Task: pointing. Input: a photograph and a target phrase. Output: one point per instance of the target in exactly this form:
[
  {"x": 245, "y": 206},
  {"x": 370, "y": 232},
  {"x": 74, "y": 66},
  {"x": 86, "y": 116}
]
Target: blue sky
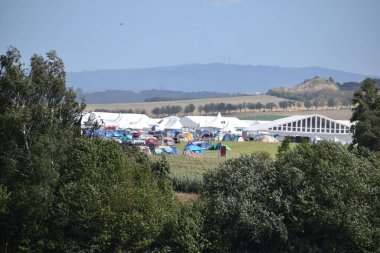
[{"x": 88, "y": 35}]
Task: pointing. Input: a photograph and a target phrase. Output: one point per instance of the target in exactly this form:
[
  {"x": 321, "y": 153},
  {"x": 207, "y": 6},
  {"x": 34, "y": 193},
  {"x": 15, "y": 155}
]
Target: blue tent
[
  {"x": 202, "y": 144},
  {"x": 195, "y": 149},
  {"x": 175, "y": 150},
  {"x": 100, "y": 133}
]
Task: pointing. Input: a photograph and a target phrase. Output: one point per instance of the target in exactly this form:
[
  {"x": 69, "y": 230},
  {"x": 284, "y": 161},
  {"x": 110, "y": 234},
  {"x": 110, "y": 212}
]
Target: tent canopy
[
  {"x": 194, "y": 148},
  {"x": 218, "y": 145}
]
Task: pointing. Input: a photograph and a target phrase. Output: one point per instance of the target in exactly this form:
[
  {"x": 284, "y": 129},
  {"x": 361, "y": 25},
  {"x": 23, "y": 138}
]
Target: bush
[
  {"x": 109, "y": 199},
  {"x": 314, "y": 198},
  {"x": 183, "y": 233},
  {"x": 186, "y": 183}
]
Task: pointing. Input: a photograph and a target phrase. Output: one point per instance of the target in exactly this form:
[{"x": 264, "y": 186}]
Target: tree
[
  {"x": 200, "y": 109},
  {"x": 316, "y": 104},
  {"x": 156, "y": 111},
  {"x": 61, "y": 192},
  {"x": 39, "y": 119},
  {"x": 284, "y": 147},
  {"x": 260, "y": 106},
  {"x": 299, "y": 104},
  {"x": 308, "y": 104},
  {"x": 322, "y": 104},
  {"x": 305, "y": 201},
  {"x": 270, "y": 106},
  {"x": 174, "y": 109},
  {"x": 366, "y": 114},
  {"x": 221, "y": 107},
  {"x": 283, "y": 104},
  {"x": 229, "y": 107},
  {"x": 291, "y": 103},
  {"x": 236, "y": 218},
  {"x": 106, "y": 195},
  {"x": 190, "y": 108},
  {"x": 251, "y": 106},
  {"x": 331, "y": 103},
  {"x": 245, "y": 106},
  {"x": 335, "y": 212},
  {"x": 206, "y": 108}
]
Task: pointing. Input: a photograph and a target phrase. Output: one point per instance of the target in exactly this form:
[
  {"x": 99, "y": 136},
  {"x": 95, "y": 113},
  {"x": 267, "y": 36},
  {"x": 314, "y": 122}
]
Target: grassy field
[{"x": 187, "y": 172}]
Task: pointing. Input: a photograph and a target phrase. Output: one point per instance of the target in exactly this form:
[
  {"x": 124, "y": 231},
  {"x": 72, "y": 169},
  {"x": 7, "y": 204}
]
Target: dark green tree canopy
[
  {"x": 314, "y": 198},
  {"x": 366, "y": 99},
  {"x": 38, "y": 119},
  {"x": 366, "y": 116}
]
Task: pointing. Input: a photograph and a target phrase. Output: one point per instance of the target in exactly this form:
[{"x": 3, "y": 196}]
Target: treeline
[
  {"x": 127, "y": 96},
  {"x": 211, "y": 108},
  {"x": 227, "y": 108},
  {"x": 159, "y": 99},
  {"x": 137, "y": 111}
]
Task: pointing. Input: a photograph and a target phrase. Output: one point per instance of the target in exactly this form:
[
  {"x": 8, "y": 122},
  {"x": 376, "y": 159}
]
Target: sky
[{"x": 118, "y": 34}]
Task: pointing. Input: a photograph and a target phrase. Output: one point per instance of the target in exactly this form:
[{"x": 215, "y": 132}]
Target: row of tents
[{"x": 114, "y": 121}]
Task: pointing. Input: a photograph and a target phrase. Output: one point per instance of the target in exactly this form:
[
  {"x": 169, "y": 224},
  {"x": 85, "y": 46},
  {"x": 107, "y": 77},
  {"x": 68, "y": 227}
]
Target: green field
[
  {"x": 189, "y": 170},
  {"x": 262, "y": 117}
]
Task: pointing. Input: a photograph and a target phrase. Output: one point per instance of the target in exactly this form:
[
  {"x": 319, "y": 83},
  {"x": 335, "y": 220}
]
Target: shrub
[
  {"x": 187, "y": 183},
  {"x": 315, "y": 198}
]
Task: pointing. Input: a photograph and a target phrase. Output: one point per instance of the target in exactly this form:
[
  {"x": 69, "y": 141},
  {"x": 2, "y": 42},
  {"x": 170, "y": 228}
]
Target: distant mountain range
[{"x": 216, "y": 77}]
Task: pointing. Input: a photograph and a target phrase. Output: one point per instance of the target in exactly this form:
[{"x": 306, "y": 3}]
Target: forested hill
[
  {"x": 127, "y": 96},
  {"x": 319, "y": 89},
  {"x": 226, "y": 78}
]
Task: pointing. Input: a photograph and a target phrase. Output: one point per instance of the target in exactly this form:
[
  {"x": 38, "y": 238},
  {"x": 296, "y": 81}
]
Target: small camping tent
[{"x": 217, "y": 147}]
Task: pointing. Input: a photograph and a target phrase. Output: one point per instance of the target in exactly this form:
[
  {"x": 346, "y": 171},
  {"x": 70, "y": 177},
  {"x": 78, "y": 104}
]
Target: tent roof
[
  {"x": 172, "y": 122},
  {"x": 270, "y": 124},
  {"x": 125, "y": 120}
]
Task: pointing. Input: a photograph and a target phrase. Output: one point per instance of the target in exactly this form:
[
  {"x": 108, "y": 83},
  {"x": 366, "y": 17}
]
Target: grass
[
  {"x": 148, "y": 106},
  {"x": 187, "y": 172},
  {"x": 262, "y": 117}
]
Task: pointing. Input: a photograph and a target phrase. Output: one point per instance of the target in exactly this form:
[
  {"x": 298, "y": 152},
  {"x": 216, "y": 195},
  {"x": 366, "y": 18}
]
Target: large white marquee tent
[
  {"x": 122, "y": 120},
  {"x": 313, "y": 126}
]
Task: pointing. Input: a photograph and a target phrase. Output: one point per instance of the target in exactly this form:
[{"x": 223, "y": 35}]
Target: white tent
[
  {"x": 196, "y": 122},
  {"x": 122, "y": 120},
  {"x": 229, "y": 124},
  {"x": 135, "y": 121},
  {"x": 307, "y": 126},
  {"x": 171, "y": 123}
]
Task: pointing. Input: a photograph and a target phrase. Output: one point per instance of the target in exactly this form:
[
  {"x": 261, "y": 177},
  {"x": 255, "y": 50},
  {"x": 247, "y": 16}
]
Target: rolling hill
[{"x": 319, "y": 89}]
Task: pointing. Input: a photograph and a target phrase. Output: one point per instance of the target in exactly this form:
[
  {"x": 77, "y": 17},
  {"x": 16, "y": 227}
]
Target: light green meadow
[{"x": 189, "y": 170}]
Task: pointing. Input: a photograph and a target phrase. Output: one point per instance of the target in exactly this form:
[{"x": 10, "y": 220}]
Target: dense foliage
[
  {"x": 38, "y": 119},
  {"x": 366, "y": 115},
  {"x": 314, "y": 198},
  {"x": 62, "y": 193}
]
